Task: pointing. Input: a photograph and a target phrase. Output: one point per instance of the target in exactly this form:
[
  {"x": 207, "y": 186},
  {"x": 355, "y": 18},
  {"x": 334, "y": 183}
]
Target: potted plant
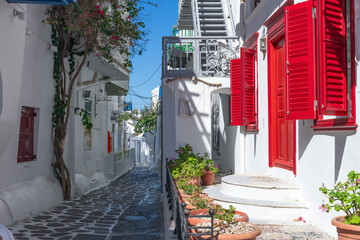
[
  {"x": 228, "y": 224},
  {"x": 345, "y": 197},
  {"x": 209, "y": 171}
]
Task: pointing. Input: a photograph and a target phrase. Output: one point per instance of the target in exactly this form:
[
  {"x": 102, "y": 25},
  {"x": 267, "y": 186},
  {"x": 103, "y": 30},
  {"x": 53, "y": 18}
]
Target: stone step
[
  {"x": 213, "y": 33},
  {"x": 204, "y": 9},
  {"x": 258, "y": 187},
  {"x": 213, "y": 26},
  {"x": 211, "y": 15},
  {"x": 265, "y": 199}
]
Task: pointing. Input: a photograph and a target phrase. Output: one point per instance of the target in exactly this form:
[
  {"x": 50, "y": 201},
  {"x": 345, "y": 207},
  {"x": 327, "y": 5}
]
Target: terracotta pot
[
  {"x": 193, "y": 221},
  {"x": 345, "y": 231},
  {"x": 195, "y": 181},
  {"x": 240, "y": 236},
  {"x": 208, "y": 178}
]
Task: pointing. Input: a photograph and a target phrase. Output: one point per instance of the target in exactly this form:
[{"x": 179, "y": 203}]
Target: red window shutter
[
  {"x": 248, "y": 86},
  {"x": 300, "y": 60},
  {"x": 333, "y": 57},
  {"x": 26, "y": 135},
  {"x": 235, "y": 92}
]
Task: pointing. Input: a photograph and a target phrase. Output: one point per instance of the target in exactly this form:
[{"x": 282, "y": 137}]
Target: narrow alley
[{"x": 128, "y": 208}]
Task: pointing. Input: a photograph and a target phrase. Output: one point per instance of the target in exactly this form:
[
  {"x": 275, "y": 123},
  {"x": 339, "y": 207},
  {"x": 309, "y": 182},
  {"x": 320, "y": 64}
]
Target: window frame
[
  {"x": 21, "y": 155},
  {"x": 322, "y": 123}
]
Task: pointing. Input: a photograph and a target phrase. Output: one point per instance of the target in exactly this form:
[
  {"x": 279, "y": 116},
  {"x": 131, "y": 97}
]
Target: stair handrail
[
  {"x": 231, "y": 17},
  {"x": 196, "y": 18}
]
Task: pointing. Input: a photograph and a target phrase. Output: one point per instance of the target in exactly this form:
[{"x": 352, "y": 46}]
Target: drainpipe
[{"x": 242, "y": 25}]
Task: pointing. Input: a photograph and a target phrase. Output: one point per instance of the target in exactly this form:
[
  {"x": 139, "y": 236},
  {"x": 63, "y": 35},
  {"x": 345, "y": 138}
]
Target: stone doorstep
[{"x": 215, "y": 193}]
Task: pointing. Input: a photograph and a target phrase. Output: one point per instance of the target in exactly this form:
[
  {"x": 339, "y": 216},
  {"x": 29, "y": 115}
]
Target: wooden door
[{"x": 281, "y": 131}]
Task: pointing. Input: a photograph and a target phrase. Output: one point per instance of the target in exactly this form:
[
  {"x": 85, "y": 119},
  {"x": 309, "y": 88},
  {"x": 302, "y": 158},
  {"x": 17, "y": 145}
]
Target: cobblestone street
[{"x": 129, "y": 208}]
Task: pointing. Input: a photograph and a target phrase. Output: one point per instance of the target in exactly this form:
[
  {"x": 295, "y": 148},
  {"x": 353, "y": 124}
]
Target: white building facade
[
  {"x": 260, "y": 118},
  {"x": 27, "y": 183}
]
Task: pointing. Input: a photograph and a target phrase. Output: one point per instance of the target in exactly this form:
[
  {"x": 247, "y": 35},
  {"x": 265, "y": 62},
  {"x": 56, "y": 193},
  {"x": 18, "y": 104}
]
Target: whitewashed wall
[
  {"x": 322, "y": 157},
  {"x": 195, "y": 130}
]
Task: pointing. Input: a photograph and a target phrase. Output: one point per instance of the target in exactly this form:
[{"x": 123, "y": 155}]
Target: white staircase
[
  {"x": 211, "y": 16},
  {"x": 265, "y": 199},
  {"x": 205, "y": 15}
]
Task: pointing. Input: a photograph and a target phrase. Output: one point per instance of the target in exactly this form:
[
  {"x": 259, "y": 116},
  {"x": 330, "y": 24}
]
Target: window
[
  {"x": 26, "y": 135},
  {"x": 320, "y": 67},
  {"x": 243, "y": 85},
  {"x": 185, "y": 109}
]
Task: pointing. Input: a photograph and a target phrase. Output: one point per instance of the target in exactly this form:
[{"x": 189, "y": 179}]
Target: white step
[
  {"x": 259, "y": 186},
  {"x": 265, "y": 199}
]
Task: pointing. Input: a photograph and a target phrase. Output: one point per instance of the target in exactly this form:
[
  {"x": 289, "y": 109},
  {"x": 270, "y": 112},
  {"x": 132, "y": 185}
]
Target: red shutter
[
  {"x": 248, "y": 86},
  {"x": 235, "y": 92},
  {"x": 300, "y": 60},
  {"x": 333, "y": 57},
  {"x": 26, "y": 135}
]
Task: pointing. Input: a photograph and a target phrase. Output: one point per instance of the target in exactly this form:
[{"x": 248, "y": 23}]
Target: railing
[
  {"x": 229, "y": 6},
  {"x": 180, "y": 215},
  {"x": 196, "y": 18},
  {"x": 198, "y": 56}
]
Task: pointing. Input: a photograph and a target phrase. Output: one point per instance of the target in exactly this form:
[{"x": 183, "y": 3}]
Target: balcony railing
[{"x": 198, "y": 56}]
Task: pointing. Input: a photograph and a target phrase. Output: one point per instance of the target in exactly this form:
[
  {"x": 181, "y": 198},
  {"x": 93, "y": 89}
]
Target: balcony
[{"x": 198, "y": 56}]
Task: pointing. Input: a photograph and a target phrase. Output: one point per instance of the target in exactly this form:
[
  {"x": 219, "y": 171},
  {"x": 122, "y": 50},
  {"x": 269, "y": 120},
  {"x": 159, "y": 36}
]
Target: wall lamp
[
  {"x": 263, "y": 41},
  {"x": 19, "y": 14}
]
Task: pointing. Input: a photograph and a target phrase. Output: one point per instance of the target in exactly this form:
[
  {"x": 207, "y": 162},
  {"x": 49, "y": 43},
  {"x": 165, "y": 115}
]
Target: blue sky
[{"x": 159, "y": 21}]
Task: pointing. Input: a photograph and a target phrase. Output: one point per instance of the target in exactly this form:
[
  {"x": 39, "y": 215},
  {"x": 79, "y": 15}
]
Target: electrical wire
[{"x": 148, "y": 78}]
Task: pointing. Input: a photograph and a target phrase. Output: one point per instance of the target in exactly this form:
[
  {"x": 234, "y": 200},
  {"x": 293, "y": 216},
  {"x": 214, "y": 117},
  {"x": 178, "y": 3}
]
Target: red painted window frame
[
  {"x": 349, "y": 123},
  {"x": 26, "y": 133},
  {"x": 252, "y": 43}
]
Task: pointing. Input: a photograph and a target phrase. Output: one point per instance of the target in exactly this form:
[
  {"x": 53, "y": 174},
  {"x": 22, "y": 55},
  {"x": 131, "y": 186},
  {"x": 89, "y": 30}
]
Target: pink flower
[
  {"x": 172, "y": 158},
  {"x": 180, "y": 151},
  {"x": 215, "y": 166},
  {"x": 323, "y": 208},
  {"x": 129, "y": 17}
]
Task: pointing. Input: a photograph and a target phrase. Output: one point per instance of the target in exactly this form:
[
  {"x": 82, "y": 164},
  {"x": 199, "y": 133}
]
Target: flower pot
[
  {"x": 208, "y": 178},
  {"x": 195, "y": 181},
  {"x": 345, "y": 231},
  {"x": 238, "y": 236},
  {"x": 193, "y": 221}
]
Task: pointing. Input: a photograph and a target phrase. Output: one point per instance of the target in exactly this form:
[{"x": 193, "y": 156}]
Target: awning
[
  {"x": 117, "y": 88},
  {"x": 47, "y": 2}
]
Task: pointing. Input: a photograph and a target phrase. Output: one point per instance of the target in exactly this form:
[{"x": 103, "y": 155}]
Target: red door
[{"x": 281, "y": 131}]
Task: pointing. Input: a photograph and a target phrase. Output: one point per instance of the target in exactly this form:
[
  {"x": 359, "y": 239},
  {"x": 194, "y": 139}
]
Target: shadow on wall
[
  {"x": 305, "y": 135},
  {"x": 196, "y": 128},
  {"x": 228, "y": 137},
  {"x": 168, "y": 121}
]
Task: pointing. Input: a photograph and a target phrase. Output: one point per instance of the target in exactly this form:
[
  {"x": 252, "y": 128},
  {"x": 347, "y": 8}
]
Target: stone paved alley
[{"x": 129, "y": 208}]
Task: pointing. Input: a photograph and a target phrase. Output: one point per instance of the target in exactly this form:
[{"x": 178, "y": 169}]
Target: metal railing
[
  {"x": 180, "y": 215},
  {"x": 229, "y": 6},
  {"x": 198, "y": 56},
  {"x": 196, "y": 17}
]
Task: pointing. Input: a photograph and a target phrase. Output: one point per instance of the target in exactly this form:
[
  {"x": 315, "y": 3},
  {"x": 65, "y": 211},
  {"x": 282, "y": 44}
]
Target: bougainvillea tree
[{"x": 105, "y": 28}]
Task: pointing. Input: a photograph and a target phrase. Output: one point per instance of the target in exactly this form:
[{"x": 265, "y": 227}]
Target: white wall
[
  {"x": 36, "y": 90},
  {"x": 194, "y": 130},
  {"x": 322, "y": 157},
  {"x": 12, "y": 42}
]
